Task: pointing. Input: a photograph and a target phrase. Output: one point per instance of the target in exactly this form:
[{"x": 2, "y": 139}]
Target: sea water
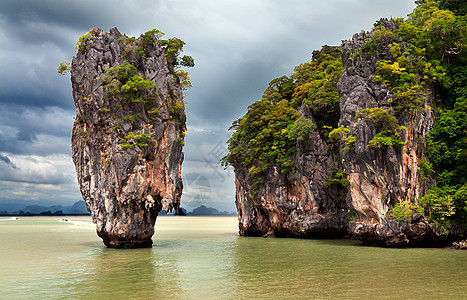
[{"x": 204, "y": 258}]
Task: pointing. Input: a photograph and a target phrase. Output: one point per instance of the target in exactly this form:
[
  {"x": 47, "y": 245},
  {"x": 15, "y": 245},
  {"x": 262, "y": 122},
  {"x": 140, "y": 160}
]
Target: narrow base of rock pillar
[{"x": 128, "y": 244}]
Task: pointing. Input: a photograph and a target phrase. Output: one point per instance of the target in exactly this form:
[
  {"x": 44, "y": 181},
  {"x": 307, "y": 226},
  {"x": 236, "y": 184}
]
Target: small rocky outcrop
[
  {"x": 462, "y": 245},
  {"x": 128, "y": 133}
]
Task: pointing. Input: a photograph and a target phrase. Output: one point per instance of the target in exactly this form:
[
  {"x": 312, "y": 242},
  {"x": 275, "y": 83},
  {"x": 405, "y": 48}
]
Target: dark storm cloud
[
  {"x": 230, "y": 89},
  {"x": 238, "y": 46},
  {"x": 35, "y": 130},
  {"x": 74, "y": 14},
  {"x": 7, "y": 161}
]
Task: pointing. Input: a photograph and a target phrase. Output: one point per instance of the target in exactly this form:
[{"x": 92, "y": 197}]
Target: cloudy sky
[{"x": 238, "y": 46}]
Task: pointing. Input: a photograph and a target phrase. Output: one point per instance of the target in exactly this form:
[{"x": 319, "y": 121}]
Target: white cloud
[{"x": 50, "y": 169}]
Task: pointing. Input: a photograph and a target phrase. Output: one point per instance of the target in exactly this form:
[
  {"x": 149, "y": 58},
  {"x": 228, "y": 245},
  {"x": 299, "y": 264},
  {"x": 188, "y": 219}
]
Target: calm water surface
[{"x": 203, "y": 258}]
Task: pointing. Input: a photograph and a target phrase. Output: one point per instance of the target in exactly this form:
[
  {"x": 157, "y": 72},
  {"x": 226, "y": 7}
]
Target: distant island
[
  {"x": 79, "y": 209},
  {"x": 200, "y": 211}
]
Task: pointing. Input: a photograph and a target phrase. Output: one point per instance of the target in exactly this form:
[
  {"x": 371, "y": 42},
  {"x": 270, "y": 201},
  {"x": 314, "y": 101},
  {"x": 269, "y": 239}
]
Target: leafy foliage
[
  {"x": 386, "y": 125},
  {"x": 184, "y": 78},
  {"x": 447, "y": 145},
  {"x": 439, "y": 207},
  {"x": 404, "y": 211},
  {"x": 434, "y": 50},
  {"x": 130, "y": 140},
  {"x": 338, "y": 178},
  {"x": 187, "y": 61},
  {"x": 301, "y": 129},
  {"x": 151, "y": 37},
  {"x": 267, "y": 135},
  {"x": 63, "y": 68},
  {"x": 425, "y": 169},
  {"x": 172, "y": 49},
  {"x": 81, "y": 44},
  {"x": 340, "y": 137},
  {"x": 176, "y": 110},
  {"x": 125, "y": 81}
]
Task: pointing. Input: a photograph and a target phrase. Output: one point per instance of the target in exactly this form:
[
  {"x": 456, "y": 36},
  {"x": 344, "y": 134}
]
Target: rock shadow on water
[{"x": 131, "y": 273}]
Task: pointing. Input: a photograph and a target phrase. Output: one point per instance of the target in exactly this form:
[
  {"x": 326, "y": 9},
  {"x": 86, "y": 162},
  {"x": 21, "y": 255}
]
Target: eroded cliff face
[
  {"x": 127, "y": 137},
  {"x": 381, "y": 177},
  {"x": 301, "y": 204}
]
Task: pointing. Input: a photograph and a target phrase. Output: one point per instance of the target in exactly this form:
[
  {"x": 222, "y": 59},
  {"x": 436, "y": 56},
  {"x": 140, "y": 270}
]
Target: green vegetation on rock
[
  {"x": 82, "y": 43},
  {"x": 123, "y": 80},
  {"x": 404, "y": 211},
  {"x": 386, "y": 125},
  {"x": 440, "y": 36},
  {"x": 429, "y": 59},
  {"x": 63, "y": 68},
  {"x": 267, "y": 135},
  {"x": 421, "y": 59}
]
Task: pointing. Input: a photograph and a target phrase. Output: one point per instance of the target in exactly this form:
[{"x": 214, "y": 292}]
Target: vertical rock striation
[
  {"x": 128, "y": 134},
  {"x": 381, "y": 145},
  {"x": 381, "y": 177},
  {"x": 300, "y": 204}
]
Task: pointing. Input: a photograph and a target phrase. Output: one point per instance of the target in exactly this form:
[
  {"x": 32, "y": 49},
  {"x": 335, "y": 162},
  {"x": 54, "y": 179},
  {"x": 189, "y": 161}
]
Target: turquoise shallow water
[{"x": 203, "y": 258}]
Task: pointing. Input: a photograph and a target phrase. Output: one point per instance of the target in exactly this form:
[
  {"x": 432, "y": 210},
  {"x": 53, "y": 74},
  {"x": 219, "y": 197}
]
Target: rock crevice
[
  {"x": 304, "y": 204},
  {"x": 127, "y": 136}
]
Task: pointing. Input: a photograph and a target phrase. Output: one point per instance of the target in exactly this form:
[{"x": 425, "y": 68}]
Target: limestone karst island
[
  {"x": 129, "y": 131},
  {"x": 367, "y": 140}
]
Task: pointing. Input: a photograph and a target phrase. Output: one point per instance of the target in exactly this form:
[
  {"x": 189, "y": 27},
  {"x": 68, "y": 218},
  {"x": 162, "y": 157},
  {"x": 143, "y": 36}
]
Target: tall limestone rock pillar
[{"x": 128, "y": 133}]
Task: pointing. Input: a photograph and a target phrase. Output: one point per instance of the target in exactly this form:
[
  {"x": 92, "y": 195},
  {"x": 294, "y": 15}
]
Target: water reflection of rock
[
  {"x": 208, "y": 271},
  {"x": 136, "y": 274},
  {"x": 292, "y": 268}
]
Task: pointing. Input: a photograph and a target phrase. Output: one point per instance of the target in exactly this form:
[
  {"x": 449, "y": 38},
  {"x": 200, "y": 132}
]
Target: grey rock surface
[
  {"x": 380, "y": 178},
  {"x": 127, "y": 146},
  {"x": 302, "y": 204}
]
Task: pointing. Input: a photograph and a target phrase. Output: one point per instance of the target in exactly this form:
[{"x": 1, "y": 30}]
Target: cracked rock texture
[
  {"x": 127, "y": 147},
  {"x": 380, "y": 178},
  {"x": 302, "y": 205}
]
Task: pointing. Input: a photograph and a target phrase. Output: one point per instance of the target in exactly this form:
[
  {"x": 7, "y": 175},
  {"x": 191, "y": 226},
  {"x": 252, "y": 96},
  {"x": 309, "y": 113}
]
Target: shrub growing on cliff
[
  {"x": 130, "y": 140},
  {"x": 404, "y": 211},
  {"x": 125, "y": 81},
  {"x": 172, "y": 48},
  {"x": 388, "y": 130},
  {"x": 425, "y": 169},
  {"x": 81, "y": 44},
  {"x": 439, "y": 208},
  {"x": 63, "y": 68},
  {"x": 151, "y": 37},
  {"x": 300, "y": 130},
  {"x": 340, "y": 137}
]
